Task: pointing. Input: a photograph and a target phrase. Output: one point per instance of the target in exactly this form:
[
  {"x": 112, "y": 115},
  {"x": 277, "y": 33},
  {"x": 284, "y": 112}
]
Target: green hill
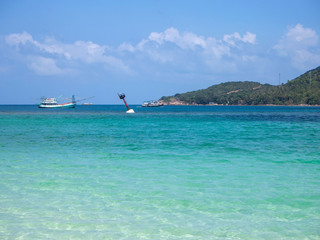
[{"x": 304, "y": 89}]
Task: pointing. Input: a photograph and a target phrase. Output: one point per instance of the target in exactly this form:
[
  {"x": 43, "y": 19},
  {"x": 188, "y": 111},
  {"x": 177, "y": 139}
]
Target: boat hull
[
  {"x": 64, "y": 105},
  {"x": 152, "y": 105}
]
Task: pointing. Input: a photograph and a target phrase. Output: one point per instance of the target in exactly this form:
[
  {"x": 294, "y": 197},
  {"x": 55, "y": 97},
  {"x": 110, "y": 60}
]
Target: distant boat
[
  {"x": 87, "y": 104},
  {"x": 52, "y": 103},
  {"x": 151, "y": 104}
]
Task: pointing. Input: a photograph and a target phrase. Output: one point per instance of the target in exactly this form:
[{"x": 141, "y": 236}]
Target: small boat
[
  {"x": 52, "y": 103},
  {"x": 151, "y": 104}
]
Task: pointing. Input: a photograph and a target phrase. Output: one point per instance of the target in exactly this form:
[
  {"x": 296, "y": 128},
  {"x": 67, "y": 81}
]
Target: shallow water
[{"x": 187, "y": 172}]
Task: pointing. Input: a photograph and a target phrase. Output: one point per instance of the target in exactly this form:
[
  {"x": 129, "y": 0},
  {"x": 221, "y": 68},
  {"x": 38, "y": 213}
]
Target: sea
[{"x": 173, "y": 172}]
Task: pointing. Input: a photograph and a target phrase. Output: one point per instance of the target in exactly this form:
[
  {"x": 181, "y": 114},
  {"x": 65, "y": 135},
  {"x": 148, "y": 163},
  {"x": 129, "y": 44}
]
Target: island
[{"x": 303, "y": 90}]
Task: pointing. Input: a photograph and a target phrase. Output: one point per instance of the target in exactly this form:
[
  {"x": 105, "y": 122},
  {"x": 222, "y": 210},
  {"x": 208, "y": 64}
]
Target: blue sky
[{"x": 149, "y": 49}]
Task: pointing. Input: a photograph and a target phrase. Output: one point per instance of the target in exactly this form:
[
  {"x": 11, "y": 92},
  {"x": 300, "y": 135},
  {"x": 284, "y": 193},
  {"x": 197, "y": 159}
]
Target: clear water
[{"x": 194, "y": 172}]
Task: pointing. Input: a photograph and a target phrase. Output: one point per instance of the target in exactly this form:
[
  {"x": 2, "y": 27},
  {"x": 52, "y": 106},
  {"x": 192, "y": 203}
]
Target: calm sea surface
[{"x": 189, "y": 172}]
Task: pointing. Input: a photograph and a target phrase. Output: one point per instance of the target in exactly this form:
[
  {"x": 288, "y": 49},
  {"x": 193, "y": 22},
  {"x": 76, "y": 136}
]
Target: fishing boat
[
  {"x": 151, "y": 104},
  {"x": 52, "y": 103}
]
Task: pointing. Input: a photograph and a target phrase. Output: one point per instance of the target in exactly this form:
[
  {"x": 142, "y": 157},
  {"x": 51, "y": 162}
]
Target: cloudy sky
[{"x": 152, "y": 48}]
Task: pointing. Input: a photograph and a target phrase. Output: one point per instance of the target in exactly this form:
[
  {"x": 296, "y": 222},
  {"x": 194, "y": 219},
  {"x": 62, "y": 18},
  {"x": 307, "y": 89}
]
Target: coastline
[{"x": 243, "y": 105}]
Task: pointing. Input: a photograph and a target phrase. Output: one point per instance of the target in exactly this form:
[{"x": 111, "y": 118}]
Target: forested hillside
[{"x": 304, "y": 89}]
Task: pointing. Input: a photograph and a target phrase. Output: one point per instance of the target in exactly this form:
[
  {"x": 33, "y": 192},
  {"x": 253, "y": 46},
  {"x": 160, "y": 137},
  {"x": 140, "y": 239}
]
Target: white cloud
[
  {"x": 169, "y": 49},
  {"x": 44, "y": 66},
  {"x": 157, "y": 44},
  {"x": 301, "y": 35},
  {"x": 126, "y": 47},
  {"x": 17, "y": 39},
  {"x": 169, "y": 35},
  {"x": 24, "y": 38},
  {"x": 165, "y": 54},
  {"x": 157, "y": 37},
  {"x": 300, "y": 45},
  {"x": 217, "y": 48},
  {"x": 249, "y": 38},
  {"x": 116, "y": 64},
  {"x": 191, "y": 40},
  {"x": 87, "y": 52},
  {"x": 184, "y": 41},
  {"x": 234, "y": 38}
]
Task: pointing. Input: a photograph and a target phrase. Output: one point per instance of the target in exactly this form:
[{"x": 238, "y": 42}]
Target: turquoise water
[{"x": 194, "y": 172}]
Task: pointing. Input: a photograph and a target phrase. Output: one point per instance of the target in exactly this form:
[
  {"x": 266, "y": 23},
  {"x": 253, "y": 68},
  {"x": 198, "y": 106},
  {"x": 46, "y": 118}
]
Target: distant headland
[{"x": 303, "y": 90}]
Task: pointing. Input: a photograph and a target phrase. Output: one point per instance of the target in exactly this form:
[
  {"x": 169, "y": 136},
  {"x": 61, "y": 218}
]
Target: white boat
[
  {"x": 52, "y": 103},
  {"x": 151, "y": 104},
  {"x": 87, "y": 104}
]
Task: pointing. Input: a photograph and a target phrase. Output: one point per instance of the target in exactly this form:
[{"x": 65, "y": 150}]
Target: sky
[{"x": 150, "y": 48}]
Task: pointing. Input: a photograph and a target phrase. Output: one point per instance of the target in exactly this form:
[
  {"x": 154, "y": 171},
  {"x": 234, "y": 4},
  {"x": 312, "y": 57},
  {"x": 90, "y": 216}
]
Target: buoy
[{"x": 122, "y": 96}]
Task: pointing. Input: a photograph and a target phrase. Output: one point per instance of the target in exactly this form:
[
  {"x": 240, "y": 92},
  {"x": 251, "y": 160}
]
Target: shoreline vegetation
[
  {"x": 243, "y": 105},
  {"x": 301, "y": 91}
]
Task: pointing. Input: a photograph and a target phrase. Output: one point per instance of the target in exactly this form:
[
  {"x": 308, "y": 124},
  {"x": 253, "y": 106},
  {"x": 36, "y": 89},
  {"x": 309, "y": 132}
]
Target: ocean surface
[{"x": 176, "y": 172}]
